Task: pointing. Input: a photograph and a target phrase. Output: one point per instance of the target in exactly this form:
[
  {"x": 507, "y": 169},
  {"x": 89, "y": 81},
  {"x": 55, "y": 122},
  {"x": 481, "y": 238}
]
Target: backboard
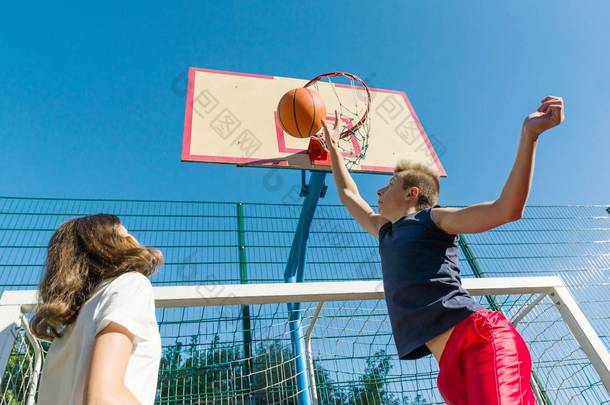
[{"x": 231, "y": 118}]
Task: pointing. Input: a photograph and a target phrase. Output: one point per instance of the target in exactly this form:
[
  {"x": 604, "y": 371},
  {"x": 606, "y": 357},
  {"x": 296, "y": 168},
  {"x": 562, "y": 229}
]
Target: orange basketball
[{"x": 300, "y": 111}]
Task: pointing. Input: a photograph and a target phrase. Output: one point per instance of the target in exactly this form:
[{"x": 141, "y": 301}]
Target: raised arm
[
  {"x": 346, "y": 187},
  {"x": 511, "y": 203}
]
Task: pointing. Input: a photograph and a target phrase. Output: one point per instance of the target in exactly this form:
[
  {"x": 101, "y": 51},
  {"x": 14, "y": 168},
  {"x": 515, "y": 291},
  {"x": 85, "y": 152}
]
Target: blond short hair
[{"x": 422, "y": 176}]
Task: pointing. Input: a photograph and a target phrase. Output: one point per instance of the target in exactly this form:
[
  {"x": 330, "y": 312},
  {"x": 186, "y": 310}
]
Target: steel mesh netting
[
  {"x": 353, "y": 357},
  {"x": 20, "y": 377},
  {"x": 562, "y": 369},
  {"x": 570, "y": 241},
  {"x": 200, "y": 241},
  {"x": 352, "y": 352}
]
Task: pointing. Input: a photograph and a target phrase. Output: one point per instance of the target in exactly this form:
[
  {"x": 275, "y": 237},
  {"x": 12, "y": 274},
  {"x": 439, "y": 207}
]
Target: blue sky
[{"x": 92, "y": 97}]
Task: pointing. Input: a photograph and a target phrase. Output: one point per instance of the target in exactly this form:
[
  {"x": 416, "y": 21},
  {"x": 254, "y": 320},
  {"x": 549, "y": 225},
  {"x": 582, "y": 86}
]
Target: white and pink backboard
[{"x": 231, "y": 118}]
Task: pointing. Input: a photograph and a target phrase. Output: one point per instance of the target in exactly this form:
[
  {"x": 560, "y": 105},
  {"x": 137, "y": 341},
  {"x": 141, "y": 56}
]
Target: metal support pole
[
  {"x": 584, "y": 333},
  {"x": 37, "y": 366},
  {"x": 245, "y": 309},
  {"x": 9, "y": 324},
  {"x": 294, "y": 274},
  {"x": 312, "y": 369}
]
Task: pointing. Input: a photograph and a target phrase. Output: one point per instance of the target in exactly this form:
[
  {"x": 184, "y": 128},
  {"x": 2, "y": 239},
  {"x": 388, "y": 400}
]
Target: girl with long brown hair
[{"x": 96, "y": 306}]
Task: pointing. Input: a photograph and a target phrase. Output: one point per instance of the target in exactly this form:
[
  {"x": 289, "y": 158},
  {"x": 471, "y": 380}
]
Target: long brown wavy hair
[{"x": 81, "y": 254}]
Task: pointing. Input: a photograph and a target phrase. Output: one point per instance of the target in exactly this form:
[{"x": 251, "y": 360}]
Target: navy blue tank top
[{"x": 421, "y": 279}]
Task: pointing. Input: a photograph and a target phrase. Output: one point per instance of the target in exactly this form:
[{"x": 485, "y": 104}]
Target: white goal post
[{"x": 16, "y": 305}]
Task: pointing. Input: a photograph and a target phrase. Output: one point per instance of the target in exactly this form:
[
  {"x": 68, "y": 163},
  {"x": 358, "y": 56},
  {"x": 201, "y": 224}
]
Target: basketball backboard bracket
[{"x": 305, "y": 187}]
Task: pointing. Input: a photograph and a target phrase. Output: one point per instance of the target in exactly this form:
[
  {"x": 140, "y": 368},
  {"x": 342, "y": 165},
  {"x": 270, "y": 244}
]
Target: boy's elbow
[
  {"x": 506, "y": 213},
  {"x": 346, "y": 195},
  {"x": 514, "y": 215}
]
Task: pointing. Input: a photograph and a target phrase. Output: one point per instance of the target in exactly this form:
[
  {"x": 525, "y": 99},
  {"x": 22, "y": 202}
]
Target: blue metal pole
[{"x": 293, "y": 274}]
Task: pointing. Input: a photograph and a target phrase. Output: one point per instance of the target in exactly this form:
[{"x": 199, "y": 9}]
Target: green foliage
[
  {"x": 371, "y": 387},
  {"x": 189, "y": 375}
]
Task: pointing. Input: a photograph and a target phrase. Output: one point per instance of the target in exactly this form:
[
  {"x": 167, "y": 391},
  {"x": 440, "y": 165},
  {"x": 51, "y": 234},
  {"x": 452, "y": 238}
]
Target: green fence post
[{"x": 243, "y": 279}]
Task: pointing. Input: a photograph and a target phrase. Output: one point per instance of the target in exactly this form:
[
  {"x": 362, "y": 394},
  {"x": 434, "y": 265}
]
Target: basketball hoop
[{"x": 354, "y": 102}]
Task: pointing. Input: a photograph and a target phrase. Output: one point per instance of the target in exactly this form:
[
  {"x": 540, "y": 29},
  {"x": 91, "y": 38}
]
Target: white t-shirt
[{"x": 127, "y": 300}]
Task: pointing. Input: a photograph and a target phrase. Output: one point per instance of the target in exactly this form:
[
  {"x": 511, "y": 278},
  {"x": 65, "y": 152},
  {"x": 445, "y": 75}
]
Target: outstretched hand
[
  {"x": 330, "y": 136},
  {"x": 548, "y": 115}
]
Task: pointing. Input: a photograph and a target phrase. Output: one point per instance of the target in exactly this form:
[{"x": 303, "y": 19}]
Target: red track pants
[{"x": 485, "y": 362}]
